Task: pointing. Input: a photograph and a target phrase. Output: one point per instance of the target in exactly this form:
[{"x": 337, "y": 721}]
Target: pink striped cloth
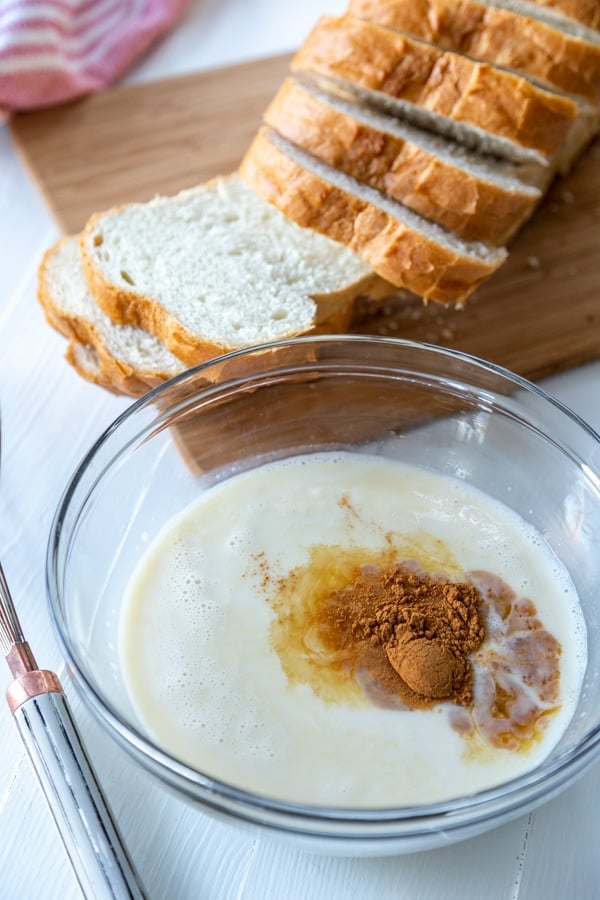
[{"x": 55, "y": 50}]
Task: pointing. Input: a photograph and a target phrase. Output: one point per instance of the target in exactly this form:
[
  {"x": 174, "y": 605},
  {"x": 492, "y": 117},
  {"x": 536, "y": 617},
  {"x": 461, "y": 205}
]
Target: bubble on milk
[{"x": 241, "y": 729}]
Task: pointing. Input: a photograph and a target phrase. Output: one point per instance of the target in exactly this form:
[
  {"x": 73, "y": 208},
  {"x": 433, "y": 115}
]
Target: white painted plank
[
  {"x": 563, "y": 849},
  {"x": 485, "y": 866},
  {"x": 33, "y": 863}
]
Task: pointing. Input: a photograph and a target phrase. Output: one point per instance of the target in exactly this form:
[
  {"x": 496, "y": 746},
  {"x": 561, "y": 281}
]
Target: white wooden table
[{"x": 49, "y": 419}]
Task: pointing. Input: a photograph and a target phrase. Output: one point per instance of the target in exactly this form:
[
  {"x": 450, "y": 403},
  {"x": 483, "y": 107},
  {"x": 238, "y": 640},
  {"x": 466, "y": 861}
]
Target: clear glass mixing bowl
[{"x": 432, "y": 407}]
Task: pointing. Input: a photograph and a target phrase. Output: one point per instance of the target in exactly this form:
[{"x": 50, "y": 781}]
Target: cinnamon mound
[{"x": 411, "y": 633}]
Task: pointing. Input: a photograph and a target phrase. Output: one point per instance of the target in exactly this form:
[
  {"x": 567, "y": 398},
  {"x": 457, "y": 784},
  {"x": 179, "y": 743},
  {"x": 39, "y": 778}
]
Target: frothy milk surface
[{"x": 209, "y": 688}]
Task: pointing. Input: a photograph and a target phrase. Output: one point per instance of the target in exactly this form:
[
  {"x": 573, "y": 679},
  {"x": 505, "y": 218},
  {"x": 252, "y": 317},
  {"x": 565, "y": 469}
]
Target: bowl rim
[{"x": 513, "y": 795}]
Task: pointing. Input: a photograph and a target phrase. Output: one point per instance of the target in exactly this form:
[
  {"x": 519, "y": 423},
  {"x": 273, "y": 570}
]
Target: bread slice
[
  {"x": 477, "y": 197},
  {"x": 477, "y": 104},
  {"x": 577, "y": 16},
  {"x": 216, "y": 268},
  {"x": 130, "y": 359},
  {"x": 547, "y": 55},
  {"x": 400, "y": 245},
  {"x": 86, "y": 362}
]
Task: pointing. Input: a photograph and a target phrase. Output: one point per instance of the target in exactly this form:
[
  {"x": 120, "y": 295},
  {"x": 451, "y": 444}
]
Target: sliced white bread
[
  {"x": 477, "y": 197},
  {"x": 581, "y": 17},
  {"x": 130, "y": 358},
  {"x": 549, "y": 56},
  {"x": 401, "y": 246},
  {"x": 86, "y": 362},
  {"x": 478, "y": 104},
  {"x": 216, "y": 268}
]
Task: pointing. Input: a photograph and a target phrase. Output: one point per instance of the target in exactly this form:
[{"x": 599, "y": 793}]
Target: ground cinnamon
[
  {"x": 357, "y": 627},
  {"x": 410, "y": 633}
]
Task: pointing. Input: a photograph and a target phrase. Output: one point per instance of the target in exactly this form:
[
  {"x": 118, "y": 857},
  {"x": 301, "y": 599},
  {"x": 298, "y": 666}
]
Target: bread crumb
[
  {"x": 533, "y": 262},
  {"x": 567, "y": 197}
]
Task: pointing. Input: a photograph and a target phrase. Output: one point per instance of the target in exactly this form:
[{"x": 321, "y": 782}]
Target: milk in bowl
[{"x": 339, "y": 629}]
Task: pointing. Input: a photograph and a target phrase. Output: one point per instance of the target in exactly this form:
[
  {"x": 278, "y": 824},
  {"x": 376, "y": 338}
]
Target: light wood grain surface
[
  {"x": 539, "y": 314},
  {"x": 131, "y": 143}
]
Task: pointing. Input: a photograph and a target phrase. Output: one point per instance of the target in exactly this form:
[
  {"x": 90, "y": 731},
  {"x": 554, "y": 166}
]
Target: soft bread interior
[
  {"x": 66, "y": 292},
  {"x": 226, "y": 264}
]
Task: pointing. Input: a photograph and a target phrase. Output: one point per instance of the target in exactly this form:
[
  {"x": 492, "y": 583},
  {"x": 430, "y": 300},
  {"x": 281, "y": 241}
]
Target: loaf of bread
[
  {"x": 531, "y": 47},
  {"x": 413, "y": 142},
  {"x": 479, "y": 198}
]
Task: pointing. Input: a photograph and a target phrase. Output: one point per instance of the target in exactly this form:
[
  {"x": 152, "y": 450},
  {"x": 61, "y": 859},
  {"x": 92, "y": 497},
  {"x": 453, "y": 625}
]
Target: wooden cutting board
[{"x": 539, "y": 314}]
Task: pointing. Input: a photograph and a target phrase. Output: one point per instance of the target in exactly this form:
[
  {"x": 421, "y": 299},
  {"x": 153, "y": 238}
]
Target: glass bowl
[{"x": 435, "y": 408}]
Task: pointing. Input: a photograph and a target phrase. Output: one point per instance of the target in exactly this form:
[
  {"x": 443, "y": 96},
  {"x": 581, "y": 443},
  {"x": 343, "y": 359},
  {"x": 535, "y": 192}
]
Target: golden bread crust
[
  {"x": 124, "y": 377},
  {"x": 441, "y": 82},
  {"x": 401, "y": 255},
  {"x": 475, "y": 208},
  {"x": 586, "y": 12},
  {"x": 499, "y": 36},
  {"x": 131, "y": 385}
]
